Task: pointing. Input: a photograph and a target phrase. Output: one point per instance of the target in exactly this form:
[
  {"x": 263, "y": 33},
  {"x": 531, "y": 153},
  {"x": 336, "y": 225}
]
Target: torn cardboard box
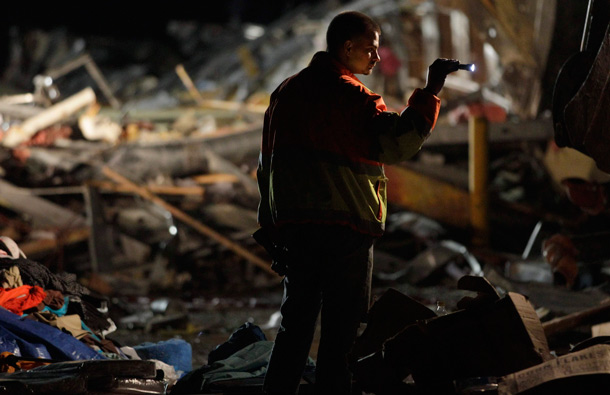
[
  {"x": 585, "y": 371},
  {"x": 489, "y": 338}
]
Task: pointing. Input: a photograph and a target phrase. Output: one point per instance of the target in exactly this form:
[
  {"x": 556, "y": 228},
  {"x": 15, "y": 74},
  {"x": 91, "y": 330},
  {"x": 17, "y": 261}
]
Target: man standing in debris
[{"x": 323, "y": 195}]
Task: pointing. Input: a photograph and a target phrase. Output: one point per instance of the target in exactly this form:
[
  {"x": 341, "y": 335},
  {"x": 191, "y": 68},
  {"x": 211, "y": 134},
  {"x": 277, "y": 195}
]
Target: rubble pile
[{"x": 128, "y": 202}]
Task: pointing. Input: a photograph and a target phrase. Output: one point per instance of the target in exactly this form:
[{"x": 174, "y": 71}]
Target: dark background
[{"x": 126, "y": 20}]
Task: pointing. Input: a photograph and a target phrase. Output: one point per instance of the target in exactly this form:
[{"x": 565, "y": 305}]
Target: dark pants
[{"x": 329, "y": 270}]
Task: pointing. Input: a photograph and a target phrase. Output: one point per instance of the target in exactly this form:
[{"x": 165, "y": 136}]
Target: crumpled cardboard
[
  {"x": 493, "y": 336},
  {"x": 577, "y": 372}
]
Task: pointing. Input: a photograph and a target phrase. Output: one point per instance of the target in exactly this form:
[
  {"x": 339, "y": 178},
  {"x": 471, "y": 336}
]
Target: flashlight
[{"x": 466, "y": 66}]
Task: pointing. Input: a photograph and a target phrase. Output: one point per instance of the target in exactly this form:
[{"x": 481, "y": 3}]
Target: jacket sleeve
[{"x": 400, "y": 136}]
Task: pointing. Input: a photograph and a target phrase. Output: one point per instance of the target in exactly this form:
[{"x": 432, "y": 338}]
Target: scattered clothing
[
  {"x": 10, "y": 363},
  {"x": 10, "y": 249},
  {"x": 71, "y": 324},
  {"x": 33, "y": 273},
  {"x": 29, "y": 338},
  {"x": 245, "y": 335},
  {"x": 55, "y": 301},
  {"x": 17, "y": 300},
  {"x": 11, "y": 277},
  {"x": 249, "y": 362},
  {"x": 86, "y": 307},
  {"x": 175, "y": 352}
]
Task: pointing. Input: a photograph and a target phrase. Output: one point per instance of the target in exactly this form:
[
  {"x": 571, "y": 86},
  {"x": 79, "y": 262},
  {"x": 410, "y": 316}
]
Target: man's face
[{"x": 361, "y": 53}]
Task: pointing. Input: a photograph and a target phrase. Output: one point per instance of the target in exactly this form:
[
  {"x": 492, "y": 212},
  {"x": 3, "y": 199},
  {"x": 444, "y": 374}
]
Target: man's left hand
[{"x": 437, "y": 72}]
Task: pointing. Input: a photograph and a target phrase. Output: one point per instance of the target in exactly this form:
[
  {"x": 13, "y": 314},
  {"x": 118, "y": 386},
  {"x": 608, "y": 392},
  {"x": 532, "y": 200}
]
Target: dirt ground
[{"x": 206, "y": 329}]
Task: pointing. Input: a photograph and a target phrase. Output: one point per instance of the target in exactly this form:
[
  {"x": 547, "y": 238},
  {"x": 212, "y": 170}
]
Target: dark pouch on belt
[{"x": 278, "y": 253}]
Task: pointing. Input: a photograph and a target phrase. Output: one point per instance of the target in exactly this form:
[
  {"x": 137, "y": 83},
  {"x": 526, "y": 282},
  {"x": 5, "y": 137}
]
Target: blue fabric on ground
[
  {"x": 175, "y": 352},
  {"x": 20, "y": 347},
  {"x": 39, "y": 340}
]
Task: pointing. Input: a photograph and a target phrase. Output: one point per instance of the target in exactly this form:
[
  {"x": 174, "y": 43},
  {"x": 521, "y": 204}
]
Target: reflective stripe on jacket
[{"x": 325, "y": 140}]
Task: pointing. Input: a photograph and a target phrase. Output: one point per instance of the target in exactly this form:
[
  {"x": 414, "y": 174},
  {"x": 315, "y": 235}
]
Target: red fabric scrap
[{"x": 19, "y": 299}]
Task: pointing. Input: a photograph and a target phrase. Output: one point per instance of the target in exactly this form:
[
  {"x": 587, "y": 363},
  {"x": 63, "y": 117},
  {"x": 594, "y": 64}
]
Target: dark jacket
[{"x": 325, "y": 139}]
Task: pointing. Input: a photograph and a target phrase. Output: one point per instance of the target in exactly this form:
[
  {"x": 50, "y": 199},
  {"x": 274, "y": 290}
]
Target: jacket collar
[{"x": 325, "y": 60}]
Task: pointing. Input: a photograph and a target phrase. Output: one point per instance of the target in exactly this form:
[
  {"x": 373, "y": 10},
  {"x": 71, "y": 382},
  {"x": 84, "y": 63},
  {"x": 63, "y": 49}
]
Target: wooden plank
[
  {"x": 499, "y": 132},
  {"x": 94, "y": 72},
  {"x": 43, "y": 212},
  {"x": 187, "y": 219},
  {"x": 18, "y": 99},
  {"x": 159, "y": 189},
  {"x": 52, "y": 115},
  {"x": 215, "y": 178},
  {"x": 234, "y": 106},
  {"x": 570, "y": 321},
  {"x": 19, "y": 111},
  {"x": 45, "y": 246},
  {"x": 100, "y": 240},
  {"x": 188, "y": 83}
]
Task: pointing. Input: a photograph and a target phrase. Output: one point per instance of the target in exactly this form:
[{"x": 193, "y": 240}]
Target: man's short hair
[{"x": 347, "y": 26}]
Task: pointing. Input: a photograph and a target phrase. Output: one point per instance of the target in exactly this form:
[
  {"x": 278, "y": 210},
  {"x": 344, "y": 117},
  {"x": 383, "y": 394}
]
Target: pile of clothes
[
  {"x": 30, "y": 292},
  {"x": 53, "y": 336}
]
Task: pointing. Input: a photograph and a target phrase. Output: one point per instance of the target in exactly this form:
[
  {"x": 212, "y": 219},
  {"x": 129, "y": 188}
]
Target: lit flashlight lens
[{"x": 468, "y": 67}]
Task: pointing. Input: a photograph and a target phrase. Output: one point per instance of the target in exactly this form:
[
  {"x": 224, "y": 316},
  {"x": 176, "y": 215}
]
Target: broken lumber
[
  {"x": 499, "y": 133},
  {"x": 43, "y": 212},
  {"x": 19, "y": 111},
  {"x": 567, "y": 322},
  {"x": 215, "y": 178},
  {"x": 186, "y": 156},
  {"x": 18, "y": 99},
  {"x": 44, "y": 246},
  {"x": 52, "y": 115},
  {"x": 219, "y": 164},
  {"x": 187, "y": 219},
  {"x": 234, "y": 106},
  {"x": 188, "y": 83},
  {"x": 94, "y": 72},
  {"x": 159, "y": 189}
]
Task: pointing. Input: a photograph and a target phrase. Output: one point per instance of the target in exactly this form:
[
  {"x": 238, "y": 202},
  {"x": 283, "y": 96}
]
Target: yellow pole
[{"x": 477, "y": 179}]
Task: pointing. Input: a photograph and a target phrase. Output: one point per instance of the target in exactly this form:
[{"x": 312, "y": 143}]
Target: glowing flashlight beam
[{"x": 467, "y": 66}]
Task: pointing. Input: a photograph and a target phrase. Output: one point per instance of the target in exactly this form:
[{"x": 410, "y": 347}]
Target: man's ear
[{"x": 347, "y": 47}]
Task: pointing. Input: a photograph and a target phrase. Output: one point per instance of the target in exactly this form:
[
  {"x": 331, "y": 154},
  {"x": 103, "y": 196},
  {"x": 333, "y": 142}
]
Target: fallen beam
[
  {"x": 206, "y": 179},
  {"x": 158, "y": 189},
  {"x": 570, "y": 321},
  {"x": 499, "y": 132},
  {"x": 182, "y": 157},
  {"x": 187, "y": 219},
  {"x": 19, "y": 111},
  {"x": 45, "y": 246},
  {"x": 188, "y": 83},
  {"x": 44, "y": 213},
  {"x": 52, "y": 115},
  {"x": 94, "y": 72}
]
